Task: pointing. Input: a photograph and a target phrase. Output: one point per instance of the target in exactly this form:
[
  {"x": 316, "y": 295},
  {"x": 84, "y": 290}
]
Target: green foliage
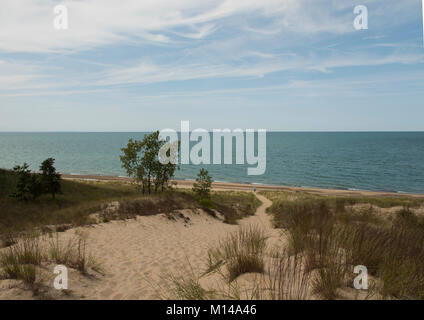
[
  {"x": 50, "y": 179},
  {"x": 2, "y": 179},
  {"x": 31, "y": 186},
  {"x": 141, "y": 161},
  {"x": 28, "y": 185},
  {"x": 73, "y": 206},
  {"x": 202, "y": 187},
  {"x": 207, "y": 203}
]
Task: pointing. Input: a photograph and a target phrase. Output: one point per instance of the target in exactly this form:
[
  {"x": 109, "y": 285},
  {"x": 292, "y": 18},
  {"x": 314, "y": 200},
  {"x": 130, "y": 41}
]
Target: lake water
[{"x": 383, "y": 161}]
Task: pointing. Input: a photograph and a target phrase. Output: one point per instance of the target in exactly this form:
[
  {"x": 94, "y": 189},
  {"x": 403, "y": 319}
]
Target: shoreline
[{"x": 231, "y": 186}]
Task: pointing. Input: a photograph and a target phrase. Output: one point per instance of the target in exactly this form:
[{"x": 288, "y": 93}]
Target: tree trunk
[{"x": 148, "y": 183}]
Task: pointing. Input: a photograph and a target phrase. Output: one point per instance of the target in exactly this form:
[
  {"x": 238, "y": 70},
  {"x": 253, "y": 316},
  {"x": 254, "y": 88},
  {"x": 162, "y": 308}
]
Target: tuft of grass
[
  {"x": 73, "y": 253},
  {"x": 288, "y": 278},
  {"x": 328, "y": 280},
  {"x": 189, "y": 288},
  {"x": 235, "y": 205},
  {"x": 20, "y": 260},
  {"x": 242, "y": 252},
  {"x": 61, "y": 253}
]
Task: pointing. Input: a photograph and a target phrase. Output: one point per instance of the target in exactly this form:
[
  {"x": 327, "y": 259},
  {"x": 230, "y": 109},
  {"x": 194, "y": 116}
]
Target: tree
[
  {"x": 28, "y": 185},
  {"x": 2, "y": 179},
  {"x": 50, "y": 179},
  {"x": 141, "y": 161},
  {"x": 202, "y": 187}
]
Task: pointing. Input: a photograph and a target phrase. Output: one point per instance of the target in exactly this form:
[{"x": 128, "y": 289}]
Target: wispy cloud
[{"x": 167, "y": 49}]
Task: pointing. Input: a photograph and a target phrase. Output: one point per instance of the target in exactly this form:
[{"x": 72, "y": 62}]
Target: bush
[
  {"x": 50, "y": 179},
  {"x": 202, "y": 187},
  {"x": 28, "y": 185}
]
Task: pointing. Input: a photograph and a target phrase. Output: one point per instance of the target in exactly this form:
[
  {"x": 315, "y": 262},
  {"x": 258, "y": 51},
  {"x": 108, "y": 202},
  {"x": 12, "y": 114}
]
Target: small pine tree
[
  {"x": 50, "y": 179},
  {"x": 2, "y": 179},
  {"x": 28, "y": 185},
  {"x": 202, "y": 187}
]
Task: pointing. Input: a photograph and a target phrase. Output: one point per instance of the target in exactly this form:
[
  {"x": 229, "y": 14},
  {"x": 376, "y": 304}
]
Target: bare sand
[{"x": 139, "y": 256}]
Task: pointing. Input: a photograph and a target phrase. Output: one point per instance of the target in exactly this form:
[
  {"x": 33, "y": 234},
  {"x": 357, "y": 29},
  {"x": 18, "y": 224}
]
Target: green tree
[
  {"x": 202, "y": 187},
  {"x": 2, "y": 179},
  {"x": 50, "y": 179},
  {"x": 141, "y": 161},
  {"x": 28, "y": 185}
]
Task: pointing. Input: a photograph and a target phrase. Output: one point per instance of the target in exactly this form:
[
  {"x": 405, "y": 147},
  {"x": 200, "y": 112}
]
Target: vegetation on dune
[
  {"x": 278, "y": 197},
  {"x": 50, "y": 180},
  {"x": 334, "y": 237},
  {"x": 242, "y": 252},
  {"x": 28, "y": 185},
  {"x": 31, "y": 186},
  {"x": 232, "y": 205},
  {"x": 26, "y": 260},
  {"x": 72, "y": 206},
  {"x": 145, "y": 161},
  {"x": 79, "y": 199},
  {"x": 203, "y": 184},
  {"x": 323, "y": 240}
]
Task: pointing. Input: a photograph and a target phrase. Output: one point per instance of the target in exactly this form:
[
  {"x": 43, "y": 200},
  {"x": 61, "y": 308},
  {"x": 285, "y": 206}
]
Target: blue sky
[{"x": 289, "y": 65}]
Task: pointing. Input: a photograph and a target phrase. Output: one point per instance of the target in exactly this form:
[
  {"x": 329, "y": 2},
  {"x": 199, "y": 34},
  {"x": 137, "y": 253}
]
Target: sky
[{"x": 280, "y": 65}]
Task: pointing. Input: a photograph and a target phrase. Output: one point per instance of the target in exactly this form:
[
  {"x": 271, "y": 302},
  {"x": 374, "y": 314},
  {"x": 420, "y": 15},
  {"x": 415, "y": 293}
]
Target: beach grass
[
  {"x": 334, "y": 236},
  {"x": 72, "y": 206},
  {"x": 242, "y": 252},
  {"x": 80, "y": 198}
]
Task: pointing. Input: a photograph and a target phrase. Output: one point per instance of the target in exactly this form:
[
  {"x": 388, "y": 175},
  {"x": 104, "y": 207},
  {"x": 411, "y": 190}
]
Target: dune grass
[
  {"x": 20, "y": 260},
  {"x": 79, "y": 199},
  {"x": 279, "y": 197},
  {"x": 73, "y": 206},
  {"x": 232, "y": 205},
  {"x": 242, "y": 252},
  {"x": 235, "y": 205},
  {"x": 73, "y": 253},
  {"x": 335, "y": 238},
  {"x": 26, "y": 260}
]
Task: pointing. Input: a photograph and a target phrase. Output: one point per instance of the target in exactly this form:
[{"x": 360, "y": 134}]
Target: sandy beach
[{"x": 259, "y": 187}]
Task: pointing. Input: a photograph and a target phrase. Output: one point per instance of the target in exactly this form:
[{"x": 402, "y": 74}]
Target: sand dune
[{"x": 139, "y": 255}]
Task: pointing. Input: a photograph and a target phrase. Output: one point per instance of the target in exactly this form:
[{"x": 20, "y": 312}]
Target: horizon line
[{"x": 210, "y": 130}]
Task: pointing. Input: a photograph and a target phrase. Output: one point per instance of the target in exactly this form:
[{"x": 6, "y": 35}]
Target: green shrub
[
  {"x": 50, "y": 179},
  {"x": 28, "y": 185},
  {"x": 202, "y": 186}
]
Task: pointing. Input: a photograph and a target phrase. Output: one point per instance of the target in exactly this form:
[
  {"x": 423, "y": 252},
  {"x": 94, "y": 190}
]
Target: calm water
[{"x": 366, "y": 161}]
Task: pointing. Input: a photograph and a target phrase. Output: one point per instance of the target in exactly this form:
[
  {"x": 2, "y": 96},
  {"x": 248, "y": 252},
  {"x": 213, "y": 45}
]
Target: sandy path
[{"x": 139, "y": 255}]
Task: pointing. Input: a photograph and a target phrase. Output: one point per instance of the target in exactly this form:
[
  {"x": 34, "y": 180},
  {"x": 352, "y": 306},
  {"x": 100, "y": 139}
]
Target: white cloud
[
  {"x": 27, "y": 25},
  {"x": 200, "y": 39},
  {"x": 154, "y": 73}
]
